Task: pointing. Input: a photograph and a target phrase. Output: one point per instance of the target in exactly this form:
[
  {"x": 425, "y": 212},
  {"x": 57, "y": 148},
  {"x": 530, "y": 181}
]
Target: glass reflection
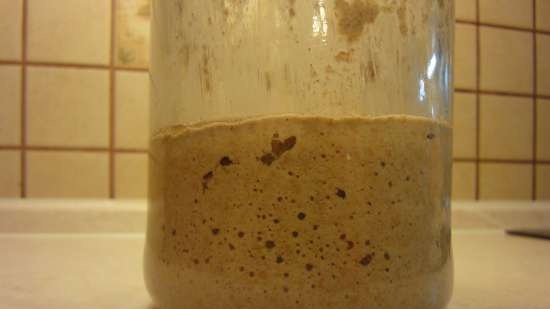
[{"x": 320, "y": 21}]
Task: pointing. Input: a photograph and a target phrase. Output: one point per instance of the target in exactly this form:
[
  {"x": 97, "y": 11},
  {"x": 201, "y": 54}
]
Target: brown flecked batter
[{"x": 300, "y": 212}]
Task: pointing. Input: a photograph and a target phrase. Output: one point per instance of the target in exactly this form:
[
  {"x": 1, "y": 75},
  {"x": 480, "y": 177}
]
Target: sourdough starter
[{"x": 300, "y": 212}]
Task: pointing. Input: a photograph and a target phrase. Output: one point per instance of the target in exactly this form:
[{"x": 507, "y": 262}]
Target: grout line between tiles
[
  {"x": 10, "y": 62},
  {"x": 112, "y": 109},
  {"x": 111, "y": 135},
  {"x": 464, "y": 90},
  {"x": 494, "y": 160},
  {"x": 478, "y": 107},
  {"x": 535, "y": 91},
  {"x": 130, "y": 150},
  {"x": 10, "y": 147},
  {"x": 501, "y": 26},
  {"x": 127, "y": 69},
  {"x": 62, "y": 148},
  {"x": 23, "y": 114},
  {"x": 502, "y": 93},
  {"x": 72, "y": 65},
  {"x": 67, "y": 65},
  {"x": 72, "y": 149}
]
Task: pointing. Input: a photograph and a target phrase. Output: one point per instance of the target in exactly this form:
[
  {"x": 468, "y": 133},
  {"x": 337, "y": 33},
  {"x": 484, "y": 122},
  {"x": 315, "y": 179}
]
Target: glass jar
[{"x": 300, "y": 154}]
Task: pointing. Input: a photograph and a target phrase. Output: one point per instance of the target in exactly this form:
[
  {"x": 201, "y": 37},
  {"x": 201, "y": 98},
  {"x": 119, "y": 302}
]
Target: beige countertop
[
  {"x": 87, "y": 254},
  {"x": 128, "y": 216},
  {"x": 103, "y": 271}
]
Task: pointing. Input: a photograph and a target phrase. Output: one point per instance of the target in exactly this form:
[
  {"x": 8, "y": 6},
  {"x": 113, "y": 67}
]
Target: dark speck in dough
[
  {"x": 206, "y": 178},
  {"x": 278, "y": 147},
  {"x": 270, "y": 244},
  {"x": 340, "y": 193},
  {"x": 365, "y": 261},
  {"x": 226, "y": 161},
  {"x": 267, "y": 159}
]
